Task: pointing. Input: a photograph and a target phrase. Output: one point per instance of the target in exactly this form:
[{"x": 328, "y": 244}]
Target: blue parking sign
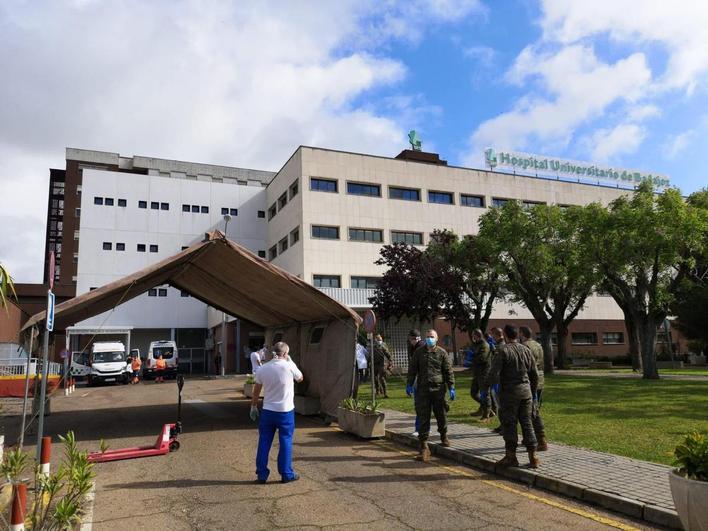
[{"x": 50, "y": 311}]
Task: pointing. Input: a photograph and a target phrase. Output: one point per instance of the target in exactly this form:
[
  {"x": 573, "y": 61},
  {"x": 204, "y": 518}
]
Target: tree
[
  {"x": 690, "y": 304},
  {"x": 645, "y": 246},
  {"x": 408, "y": 287},
  {"x": 473, "y": 280},
  {"x": 546, "y": 265}
]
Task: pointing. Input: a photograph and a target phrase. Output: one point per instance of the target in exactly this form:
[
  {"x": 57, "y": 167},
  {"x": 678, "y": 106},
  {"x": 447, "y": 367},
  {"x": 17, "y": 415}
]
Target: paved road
[{"x": 346, "y": 483}]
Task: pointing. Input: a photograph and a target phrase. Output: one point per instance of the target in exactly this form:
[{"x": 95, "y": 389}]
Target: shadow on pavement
[{"x": 176, "y": 483}]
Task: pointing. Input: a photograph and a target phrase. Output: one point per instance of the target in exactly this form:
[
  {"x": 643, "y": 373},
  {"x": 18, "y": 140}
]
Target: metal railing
[{"x": 18, "y": 366}]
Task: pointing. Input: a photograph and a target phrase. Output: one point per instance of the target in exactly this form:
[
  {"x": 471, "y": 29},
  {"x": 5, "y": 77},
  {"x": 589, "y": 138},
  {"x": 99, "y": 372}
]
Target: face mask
[
  {"x": 430, "y": 341},
  {"x": 379, "y": 343}
]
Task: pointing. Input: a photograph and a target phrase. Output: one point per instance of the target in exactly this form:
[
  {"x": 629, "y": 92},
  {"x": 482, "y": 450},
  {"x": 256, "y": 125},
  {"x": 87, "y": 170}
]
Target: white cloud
[
  {"x": 681, "y": 27},
  {"x": 676, "y": 144},
  {"x": 235, "y": 83},
  {"x": 642, "y": 112},
  {"x": 483, "y": 55},
  {"x": 575, "y": 85},
  {"x": 566, "y": 87},
  {"x": 608, "y": 143}
]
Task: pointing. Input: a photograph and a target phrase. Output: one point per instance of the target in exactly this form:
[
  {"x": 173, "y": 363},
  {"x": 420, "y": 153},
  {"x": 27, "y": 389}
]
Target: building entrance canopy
[{"x": 230, "y": 278}]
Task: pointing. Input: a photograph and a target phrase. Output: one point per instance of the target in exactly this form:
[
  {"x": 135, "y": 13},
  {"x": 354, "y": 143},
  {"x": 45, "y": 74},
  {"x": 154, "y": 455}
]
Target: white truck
[{"x": 108, "y": 363}]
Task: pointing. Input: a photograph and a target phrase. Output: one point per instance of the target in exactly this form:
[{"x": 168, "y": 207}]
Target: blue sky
[{"x": 244, "y": 83}]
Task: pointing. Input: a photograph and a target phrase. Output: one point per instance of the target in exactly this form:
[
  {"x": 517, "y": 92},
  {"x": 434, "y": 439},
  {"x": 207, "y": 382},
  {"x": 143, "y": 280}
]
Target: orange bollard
[
  {"x": 45, "y": 456},
  {"x": 19, "y": 506}
]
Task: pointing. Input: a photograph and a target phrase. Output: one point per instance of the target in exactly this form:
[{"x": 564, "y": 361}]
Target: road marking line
[
  {"x": 493, "y": 483},
  {"x": 87, "y": 523}
]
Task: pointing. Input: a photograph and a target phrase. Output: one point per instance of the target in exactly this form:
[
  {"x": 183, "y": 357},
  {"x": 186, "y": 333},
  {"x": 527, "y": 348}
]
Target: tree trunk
[
  {"x": 562, "y": 332},
  {"x": 546, "y": 330},
  {"x": 633, "y": 342},
  {"x": 647, "y": 342},
  {"x": 453, "y": 332}
]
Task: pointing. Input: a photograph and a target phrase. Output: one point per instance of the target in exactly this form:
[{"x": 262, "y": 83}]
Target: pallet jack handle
[{"x": 180, "y": 385}]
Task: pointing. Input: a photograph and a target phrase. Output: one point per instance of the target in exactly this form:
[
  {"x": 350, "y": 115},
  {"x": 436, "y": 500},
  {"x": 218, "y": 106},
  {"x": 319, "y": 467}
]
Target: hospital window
[{"x": 327, "y": 281}]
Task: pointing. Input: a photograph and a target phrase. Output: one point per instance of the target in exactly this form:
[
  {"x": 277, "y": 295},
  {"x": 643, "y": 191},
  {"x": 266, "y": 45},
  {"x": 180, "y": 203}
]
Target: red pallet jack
[{"x": 166, "y": 441}]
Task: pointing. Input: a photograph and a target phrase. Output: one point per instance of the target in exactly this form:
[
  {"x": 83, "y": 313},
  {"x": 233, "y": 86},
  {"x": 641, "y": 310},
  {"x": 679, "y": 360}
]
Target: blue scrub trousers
[{"x": 285, "y": 424}]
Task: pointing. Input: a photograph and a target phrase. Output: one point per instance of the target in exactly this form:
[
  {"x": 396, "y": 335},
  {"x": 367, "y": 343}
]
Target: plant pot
[
  {"x": 691, "y": 501},
  {"x": 248, "y": 390},
  {"x": 306, "y": 405},
  {"x": 365, "y": 426}
]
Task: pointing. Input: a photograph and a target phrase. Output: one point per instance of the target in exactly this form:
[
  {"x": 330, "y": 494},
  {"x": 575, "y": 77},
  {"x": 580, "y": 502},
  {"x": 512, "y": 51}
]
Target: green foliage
[
  {"x": 546, "y": 262},
  {"x": 366, "y": 407},
  {"x": 14, "y": 464},
  {"x": 250, "y": 379},
  {"x": 7, "y": 287},
  {"x": 103, "y": 446},
  {"x": 59, "y": 498},
  {"x": 692, "y": 457},
  {"x": 455, "y": 278},
  {"x": 646, "y": 245}
]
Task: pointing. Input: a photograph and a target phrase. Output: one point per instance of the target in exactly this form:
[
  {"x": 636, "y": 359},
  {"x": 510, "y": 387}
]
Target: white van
[
  {"x": 108, "y": 363},
  {"x": 168, "y": 350}
]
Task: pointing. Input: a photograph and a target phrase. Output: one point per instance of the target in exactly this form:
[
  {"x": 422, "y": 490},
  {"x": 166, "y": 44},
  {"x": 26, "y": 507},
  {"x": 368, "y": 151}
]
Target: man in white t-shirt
[
  {"x": 277, "y": 378},
  {"x": 257, "y": 357}
]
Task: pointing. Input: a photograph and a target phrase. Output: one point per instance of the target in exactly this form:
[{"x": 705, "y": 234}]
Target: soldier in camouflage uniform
[
  {"x": 514, "y": 369},
  {"x": 431, "y": 367},
  {"x": 480, "y": 365},
  {"x": 536, "y": 349},
  {"x": 498, "y": 338},
  {"x": 383, "y": 362}
]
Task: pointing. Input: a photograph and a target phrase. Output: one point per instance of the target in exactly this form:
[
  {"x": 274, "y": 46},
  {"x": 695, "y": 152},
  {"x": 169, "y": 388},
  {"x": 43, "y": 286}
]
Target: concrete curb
[{"x": 606, "y": 500}]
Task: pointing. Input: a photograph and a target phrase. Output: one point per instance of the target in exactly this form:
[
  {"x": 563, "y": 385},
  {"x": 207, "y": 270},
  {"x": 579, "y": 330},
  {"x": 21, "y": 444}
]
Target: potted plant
[
  {"x": 248, "y": 386},
  {"x": 361, "y": 418},
  {"x": 689, "y": 482}
]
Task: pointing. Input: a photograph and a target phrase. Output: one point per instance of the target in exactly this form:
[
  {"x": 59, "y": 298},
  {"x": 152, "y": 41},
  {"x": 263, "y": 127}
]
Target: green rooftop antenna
[{"x": 416, "y": 144}]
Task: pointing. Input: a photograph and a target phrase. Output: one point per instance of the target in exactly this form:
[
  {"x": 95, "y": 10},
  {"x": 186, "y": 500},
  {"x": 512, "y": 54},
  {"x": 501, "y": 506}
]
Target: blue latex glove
[
  {"x": 409, "y": 390},
  {"x": 254, "y": 413},
  {"x": 452, "y": 393},
  {"x": 535, "y": 397},
  {"x": 495, "y": 388},
  {"x": 483, "y": 395}
]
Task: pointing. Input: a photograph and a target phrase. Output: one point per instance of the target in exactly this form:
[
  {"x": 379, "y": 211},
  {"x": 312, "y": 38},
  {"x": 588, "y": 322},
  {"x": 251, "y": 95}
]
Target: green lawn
[
  {"x": 635, "y": 418},
  {"x": 684, "y": 372}
]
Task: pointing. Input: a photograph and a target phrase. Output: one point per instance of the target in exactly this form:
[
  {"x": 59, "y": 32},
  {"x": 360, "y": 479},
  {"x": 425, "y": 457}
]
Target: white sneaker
[{"x": 414, "y": 434}]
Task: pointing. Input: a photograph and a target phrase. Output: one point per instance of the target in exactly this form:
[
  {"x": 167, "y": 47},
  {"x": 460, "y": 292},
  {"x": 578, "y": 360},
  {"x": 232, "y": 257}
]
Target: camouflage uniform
[
  {"x": 382, "y": 360},
  {"x": 538, "y": 427},
  {"x": 433, "y": 372},
  {"x": 514, "y": 368},
  {"x": 481, "y": 363}
]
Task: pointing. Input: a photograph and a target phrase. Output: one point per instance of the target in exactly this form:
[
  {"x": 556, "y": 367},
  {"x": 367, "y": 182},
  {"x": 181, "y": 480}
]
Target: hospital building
[{"x": 324, "y": 217}]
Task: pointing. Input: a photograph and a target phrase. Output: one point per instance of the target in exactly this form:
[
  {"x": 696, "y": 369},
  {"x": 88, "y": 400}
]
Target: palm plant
[{"x": 7, "y": 287}]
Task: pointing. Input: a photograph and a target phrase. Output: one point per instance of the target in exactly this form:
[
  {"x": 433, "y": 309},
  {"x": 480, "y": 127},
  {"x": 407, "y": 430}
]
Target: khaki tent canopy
[{"x": 230, "y": 278}]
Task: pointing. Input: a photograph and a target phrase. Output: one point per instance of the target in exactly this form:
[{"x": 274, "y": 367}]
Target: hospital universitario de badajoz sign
[{"x": 528, "y": 163}]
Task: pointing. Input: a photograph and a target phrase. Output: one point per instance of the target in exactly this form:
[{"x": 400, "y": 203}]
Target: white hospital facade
[{"x": 324, "y": 217}]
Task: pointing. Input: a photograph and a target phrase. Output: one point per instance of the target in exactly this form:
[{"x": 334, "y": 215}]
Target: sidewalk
[
  {"x": 631, "y": 375},
  {"x": 636, "y": 488}
]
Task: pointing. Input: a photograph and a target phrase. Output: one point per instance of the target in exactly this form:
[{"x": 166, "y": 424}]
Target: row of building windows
[
  {"x": 155, "y": 205},
  {"x": 286, "y": 196},
  {"x": 284, "y": 243},
  {"x": 120, "y": 246},
  {"x": 335, "y": 281},
  {"x": 440, "y": 197},
  {"x": 327, "y": 232},
  {"x": 110, "y": 201},
  {"x": 590, "y": 338}
]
